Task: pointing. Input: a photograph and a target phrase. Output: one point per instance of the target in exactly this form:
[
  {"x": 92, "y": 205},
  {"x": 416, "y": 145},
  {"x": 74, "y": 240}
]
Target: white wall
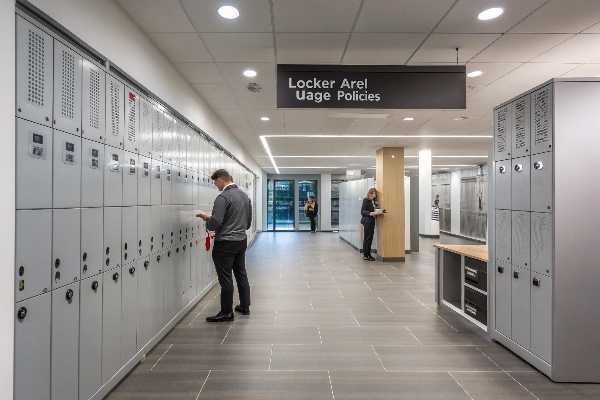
[
  {"x": 425, "y": 192},
  {"x": 455, "y": 202}
]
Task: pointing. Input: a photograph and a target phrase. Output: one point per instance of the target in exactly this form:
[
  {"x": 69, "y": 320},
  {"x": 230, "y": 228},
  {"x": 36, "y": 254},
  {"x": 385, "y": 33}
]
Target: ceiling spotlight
[
  {"x": 459, "y": 118},
  {"x": 250, "y": 73},
  {"x": 264, "y": 118},
  {"x": 490, "y": 13},
  {"x": 474, "y": 74},
  {"x": 229, "y": 12},
  {"x": 408, "y": 119}
]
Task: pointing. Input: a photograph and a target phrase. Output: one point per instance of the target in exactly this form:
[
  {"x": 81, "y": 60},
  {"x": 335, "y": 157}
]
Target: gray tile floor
[{"x": 327, "y": 325}]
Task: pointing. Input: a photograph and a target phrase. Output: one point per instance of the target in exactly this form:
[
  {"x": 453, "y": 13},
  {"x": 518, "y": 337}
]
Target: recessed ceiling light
[
  {"x": 229, "y": 12},
  {"x": 250, "y": 73},
  {"x": 408, "y": 119},
  {"x": 459, "y": 118},
  {"x": 490, "y": 13},
  {"x": 474, "y": 74},
  {"x": 264, "y": 118}
]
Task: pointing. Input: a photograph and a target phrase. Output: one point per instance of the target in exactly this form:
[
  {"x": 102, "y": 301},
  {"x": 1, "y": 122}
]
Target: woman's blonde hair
[{"x": 372, "y": 190}]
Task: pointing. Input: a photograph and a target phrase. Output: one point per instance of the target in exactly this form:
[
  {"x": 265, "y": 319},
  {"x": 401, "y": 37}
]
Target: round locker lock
[
  {"x": 169, "y": 254},
  {"x": 57, "y": 277},
  {"x": 162, "y": 236},
  {"x": 186, "y": 229},
  {"x": 21, "y": 271},
  {"x": 157, "y": 258},
  {"x": 107, "y": 262},
  {"x": 57, "y": 263},
  {"x": 180, "y": 231},
  {"x": 502, "y": 169},
  {"x": 22, "y": 312},
  {"x": 69, "y": 294},
  {"x": 125, "y": 248},
  {"x": 94, "y": 285},
  {"x": 115, "y": 276},
  {"x": 107, "y": 250},
  {"x": 152, "y": 239},
  {"x": 146, "y": 263},
  {"x": 140, "y": 243},
  {"x": 184, "y": 247},
  {"x": 125, "y": 256},
  {"x": 171, "y": 234},
  {"x": 131, "y": 270},
  {"x": 140, "y": 251},
  {"x": 538, "y": 165},
  {"x": 19, "y": 109},
  {"x": 177, "y": 250},
  {"x": 84, "y": 256},
  {"x": 85, "y": 269},
  {"x": 151, "y": 247},
  {"x": 519, "y": 167}
]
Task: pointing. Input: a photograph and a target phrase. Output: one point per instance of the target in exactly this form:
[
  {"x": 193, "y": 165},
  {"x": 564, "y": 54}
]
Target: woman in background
[{"x": 367, "y": 210}]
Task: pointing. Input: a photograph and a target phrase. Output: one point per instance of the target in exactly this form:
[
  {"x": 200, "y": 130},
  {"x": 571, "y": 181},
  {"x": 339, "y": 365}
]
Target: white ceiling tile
[
  {"x": 223, "y": 104},
  {"x": 200, "y": 72},
  {"x": 230, "y": 114},
  {"x": 213, "y": 90},
  {"x": 561, "y": 16},
  {"x": 238, "y": 125},
  {"x": 275, "y": 116},
  {"x": 234, "y": 72},
  {"x": 310, "y": 48},
  {"x": 240, "y": 47},
  {"x": 583, "y": 71},
  {"x": 182, "y": 47},
  {"x": 306, "y": 115},
  {"x": 255, "y": 15},
  {"x": 497, "y": 94},
  {"x": 240, "y": 90},
  {"x": 158, "y": 15},
  {"x": 593, "y": 29},
  {"x": 367, "y": 126},
  {"x": 491, "y": 72},
  {"x": 401, "y": 16},
  {"x": 315, "y": 15},
  {"x": 382, "y": 48},
  {"x": 581, "y": 48},
  {"x": 520, "y": 47},
  {"x": 533, "y": 74},
  {"x": 442, "y": 47},
  {"x": 258, "y": 104},
  {"x": 335, "y": 126}
]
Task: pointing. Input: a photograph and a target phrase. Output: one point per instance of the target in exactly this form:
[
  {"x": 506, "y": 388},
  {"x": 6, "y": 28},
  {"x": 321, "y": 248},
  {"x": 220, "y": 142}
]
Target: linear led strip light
[
  {"x": 380, "y": 136},
  {"x": 266, "y": 147}
]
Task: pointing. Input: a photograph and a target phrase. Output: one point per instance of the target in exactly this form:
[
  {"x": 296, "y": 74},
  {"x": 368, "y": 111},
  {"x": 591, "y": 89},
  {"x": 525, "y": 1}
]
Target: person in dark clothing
[
  {"x": 367, "y": 210},
  {"x": 311, "y": 209},
  {"x": 231, "y": 217}
]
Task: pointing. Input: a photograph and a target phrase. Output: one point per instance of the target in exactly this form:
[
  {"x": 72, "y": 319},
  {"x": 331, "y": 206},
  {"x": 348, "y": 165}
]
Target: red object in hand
[{"x": 207, "y": 243}]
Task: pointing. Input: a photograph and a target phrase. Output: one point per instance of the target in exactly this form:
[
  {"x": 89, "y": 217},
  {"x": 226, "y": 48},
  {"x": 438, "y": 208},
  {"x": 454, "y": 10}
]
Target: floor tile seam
[
  {"x": 431, "y": 345},
  {"x": 336, "y": 370},
  {"x": 375, "y": 351},
  {"x": 358, "y": 323},
  {"x": 205, "y": 380},
  {"x": 228, "y": 330},
  {"x": 331, "y": 385},
  {"x": 461, "y": 386},
  {"x": 271, "y": 357},
  {"x": 439, "y": 316},
  {"x": 162, "y": 356},
  {"x": 408, "y": 329},
  {"x": 385, "y": 304},
  {"x": 520, "y": 384}
]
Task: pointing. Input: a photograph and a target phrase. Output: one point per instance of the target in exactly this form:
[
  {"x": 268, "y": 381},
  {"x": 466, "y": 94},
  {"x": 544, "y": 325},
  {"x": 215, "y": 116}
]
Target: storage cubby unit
[{"x": 543, "y": 228}]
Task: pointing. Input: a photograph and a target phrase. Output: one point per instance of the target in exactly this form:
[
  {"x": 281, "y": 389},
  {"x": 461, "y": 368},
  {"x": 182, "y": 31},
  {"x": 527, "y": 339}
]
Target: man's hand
[
  {"x": 212, "y": 234},
  {"x": 203, "y": 215}
]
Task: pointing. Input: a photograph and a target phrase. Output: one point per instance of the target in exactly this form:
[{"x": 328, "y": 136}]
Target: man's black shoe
[
  {"x": 220, "y": 317},
  {"x": 244, "y": 311}
]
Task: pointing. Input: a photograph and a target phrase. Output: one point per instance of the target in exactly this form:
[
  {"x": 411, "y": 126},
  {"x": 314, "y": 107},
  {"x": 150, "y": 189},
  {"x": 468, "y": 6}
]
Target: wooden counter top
[{"x": 477, "y": 251}]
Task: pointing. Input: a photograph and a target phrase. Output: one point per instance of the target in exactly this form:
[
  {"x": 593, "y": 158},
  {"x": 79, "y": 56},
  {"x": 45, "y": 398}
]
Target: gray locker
[
  {"x": 167, "y": 184},
  {"x": 34, "y": 165},
  {"x": 542, "y": 182},
  {"x": 177, "y": 143},
  {"x": 503, "y": 235},
  {"x": 145, "y": 137},
  {"x": 144, "y": 178},
  {"x": 521, "y": 239},
  {"x": 167, "y": 233},
  {"x": 33, "y": 256},
  {"x": 66, "y": 171},
  {"x": 157, "y": 272},
  {"x": 189, "y": 187},
  {"x": 144, "y": 231},
  {"x": 177, "y": 224},
  {"x": 189, "y": 279},
  {"x": 195, "y": 152},
  {"x": 169, "y": 285},
  {"x": 68, "y": 69},
  {"x": 129, "y": 242},
  {"x": 92, "y": 173},
  {"x": 520, "y": 183},
  {"x": 157, "y": 132},
  {"x": 156, "y": 182},
  {"x": 130, "y": 179},
  {"x": 34, "y": 89},
  {"x": 502, "y": 176},
  {"x": 66, "y": 228},
  {"x": 521, "y": 307},
  {"x": 132, "y": 120},
  {"x": 144, "y": 302},
  {"x": 199, "y": 264},
  {"x": 32, "y": 348},
  {"x": 111, "y": 324},
  {"x": 503, "y": 298},
  {"x": 176, "y": 182},
  {"x": 195, "y": 187},
  {"x": 183, "y": 186},
  {"x": 112, "y": 238},
  {"x": 64, "y": 370},
  {"x": 90, "y": 336},
  {"x": 542, "y": 110},
  {"x": 541, "y": 317},
  {"x": 167, "y": 138},
  {"x": 129, "y": 298},
  {"x": 113, "y": 177},
  {"x": 520, "y": 114},
  {"x": 115, "y": 109},
  {"x": 156, "y": 234},
  {"x": 180, "y": 273},
  {"x": 542, "y": 243},
  {"x": 93, "y": 114},
  {"x": 92, "y": 235}
]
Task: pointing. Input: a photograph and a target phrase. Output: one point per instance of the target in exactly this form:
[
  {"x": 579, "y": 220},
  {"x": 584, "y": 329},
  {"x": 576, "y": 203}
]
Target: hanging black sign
[{"x": 371, "y": 86}]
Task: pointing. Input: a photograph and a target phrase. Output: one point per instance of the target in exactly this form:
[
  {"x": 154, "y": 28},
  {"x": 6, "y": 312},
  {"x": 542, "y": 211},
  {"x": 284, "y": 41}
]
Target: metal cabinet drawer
[
  {"x": 476, "y": 298},
  {"x": 476, "y": 273}
]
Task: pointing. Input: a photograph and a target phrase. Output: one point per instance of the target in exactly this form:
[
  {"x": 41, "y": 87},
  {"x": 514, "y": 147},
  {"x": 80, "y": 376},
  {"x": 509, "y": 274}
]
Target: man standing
[
  {"x": 231, "y": 216},
  {"x": 310, "y": 210}
]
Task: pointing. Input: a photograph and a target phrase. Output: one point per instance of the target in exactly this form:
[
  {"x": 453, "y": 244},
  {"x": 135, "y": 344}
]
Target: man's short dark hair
[
  {"x": 311, "y": 197},
  {"x": 223, "y": 174}
]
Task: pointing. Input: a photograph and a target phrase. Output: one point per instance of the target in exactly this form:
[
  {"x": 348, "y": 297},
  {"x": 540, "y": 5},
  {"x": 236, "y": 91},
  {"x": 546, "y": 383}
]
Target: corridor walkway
[{"x": 325, "y": 324}]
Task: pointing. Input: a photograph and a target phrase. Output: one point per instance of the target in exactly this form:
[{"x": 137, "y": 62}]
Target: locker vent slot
[
  {"x": 159, "y": 132},
  {"x": 68, "y": 85},
  {"x": 146, "y": 123},
  {"x": 94, "y": 99},
  {"x": 542, "y": 124},
  {"x": 520, "y": 239},
  {"x": 131, "y": 118},
  {"x": 541, "y": 234},
  {"x": 115, "y": 116},
  {"x": 520, "y": 124},
  {"x": 169, "y": 130},
  {"x": 502, "y": 115},
  {"x": 35, "y": 94},
  {"x": 503, "y": 232}
]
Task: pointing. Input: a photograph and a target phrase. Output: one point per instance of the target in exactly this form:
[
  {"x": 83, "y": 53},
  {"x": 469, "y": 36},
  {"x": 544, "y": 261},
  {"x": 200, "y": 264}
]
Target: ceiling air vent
[{"x": 254, "y": 87}]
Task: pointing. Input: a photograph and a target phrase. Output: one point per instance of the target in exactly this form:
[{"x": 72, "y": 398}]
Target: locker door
[
  {"x": 198, "y": 250},
  {"x": 542, "y": 183},
  {"x": 92, "y": 235},
  {"x": 167, "y": 184},
  {"x": 68, "y": 69},
  {"x": 144, "y": 302},
  {"x": 157, "y": 132},
  {"x": 542, "y": 244},
  {"x": 190, "y": 254},
  {"x": 144, "y": 181},
  {"x": 156, "y": 234},
  {"x": 90, "y": 336},
  {"x": 520, "y": 183},
  {"x": 166, "y": 227},
  {"x": 189, "y": 186},
  {"x": 156, "y": 183},
  {"x": 129, "y": 294},
  {"x": 195, "y": 185},
  {"x": 541, "y": 317},
  {"x": 115, "y": 108},
  {"x": 542, "y": 120},
  {"x": 502, "y": 133},
  {"x": 169, "y": 286},
  {"x": 521, "y": 239},
  {"x": 66, "y": 227},
  {"x": 503, "y": 298},
  {"x": 132, "y": 120},
  {"x": 167, "y": 136},
  {"x": 34, "y": 165},
  {"x": 177, "y": 222},
  {"x": 179, "y": 277},
  {"x": 111, "y": 324},
  {"x": 64, "y": 370},
  {"x": 177, "y": 143},
  {"x": 130, "y": 179},
  {"x": 93, "y": 124},
  {"x": 176, "y": 183},
  {"x": 66, "y": 171},
  {"x": 33, "y": 256},
  {"x": 520, "y": 116},
  {"x": 92, "y": 174},
  {"x": 183, "y": 184},
  {"x": 186, "y": 283},
  {"x": 144, "y": 231},
  {"x": 112, "y": 238},
  {"x": 113, "y": 177},
  {"x": 521, "y": 307},
  {"x": 145, "y": 138},
  {"x": 32, "y": 348},
  {"x": 129, "y": 247},
  {"x": 157, "y": 273},
  {"x": 502, "y": 176},
  {"x": 503, "y": 235},
  {"x": 34, "y": 73}
]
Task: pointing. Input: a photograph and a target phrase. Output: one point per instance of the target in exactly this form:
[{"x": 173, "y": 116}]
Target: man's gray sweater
[{"x": 231, "y": 214}]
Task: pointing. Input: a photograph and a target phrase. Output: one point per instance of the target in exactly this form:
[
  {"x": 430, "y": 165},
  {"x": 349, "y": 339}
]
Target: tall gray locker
[
  {"x": 66, "y": 171},
  {"x": 92, "y": 240},
  {"x": 158, "y": 262},
  {"x": 66, "y": 234},
  {"x": 111, "y": 323},
  {"x": 144, "y": 301},
  {"x": 34, "y": 165},
  {"x": 129, "y": 294},
  {"x": 544, "y": 285},
  {"x": 92, "y": 173},
  {"x": 169, "y": 285},
  {"x": 90, "y": 336}
]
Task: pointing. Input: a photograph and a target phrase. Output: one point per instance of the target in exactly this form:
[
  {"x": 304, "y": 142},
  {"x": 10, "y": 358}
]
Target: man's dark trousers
[
  {"x": 313, "y": 224},
  {"x": 230, "y": 256}
]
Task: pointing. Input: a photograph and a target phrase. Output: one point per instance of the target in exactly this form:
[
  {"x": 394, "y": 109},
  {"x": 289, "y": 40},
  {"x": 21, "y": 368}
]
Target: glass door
[
  {"x": 283, "y": 205},
  {"x": 305, "y": 189}
]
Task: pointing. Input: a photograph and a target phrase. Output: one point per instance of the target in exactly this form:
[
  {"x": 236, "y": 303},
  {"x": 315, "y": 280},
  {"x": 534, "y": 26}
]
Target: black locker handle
[
  {"x": 536, "y": 282},
  {"x": 184, "y": 247},
  {"x": 57, "y": 263},
  {"x": 157, "y": 258},
  {"x": 146, "y": 263},
  {"x": 516, "y": 274},
  {"x": 84, "y": 256},
  {"x": 70, "y": 294},
  {"x": 177, "y": 249},
  {"x": 94, "y": 285},
  {"x": 131, "y": 270},
  {"x": 501, "y": 270},
  {"x": 107, "y": 261},
  {"x": 22, "y": 313},
  {"x": 115, "y": 276},
  {"x": 140, "y": 242},
  {"x": 107, "y": 250},
  {"x": 169, "y": 254}
]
